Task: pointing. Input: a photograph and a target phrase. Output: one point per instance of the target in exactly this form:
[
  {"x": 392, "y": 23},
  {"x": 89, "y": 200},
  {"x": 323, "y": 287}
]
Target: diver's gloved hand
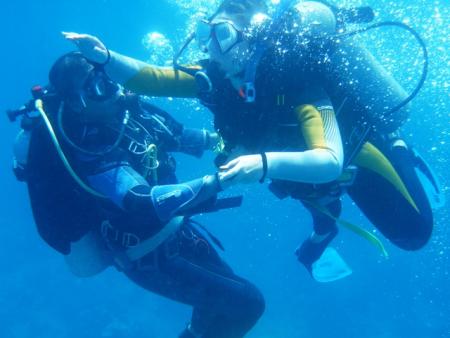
[
  {"x": 180, "y": 199},
  {"x": 244, "y": 169},
  {"x": 90, "y": 46}
]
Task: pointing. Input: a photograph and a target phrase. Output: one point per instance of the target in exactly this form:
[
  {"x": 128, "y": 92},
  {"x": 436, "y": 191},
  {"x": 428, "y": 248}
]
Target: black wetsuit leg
[
  {"x": 225, "y": 305},
  {"x": 388, "y": 209},
  {"x": 310, "y": 251}
]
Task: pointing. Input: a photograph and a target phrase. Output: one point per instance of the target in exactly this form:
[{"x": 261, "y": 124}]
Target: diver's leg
[
  {"x": 225, "y": 305},
  {"x": 325, "y": 230},
  {"x": 391, "y": 196}
]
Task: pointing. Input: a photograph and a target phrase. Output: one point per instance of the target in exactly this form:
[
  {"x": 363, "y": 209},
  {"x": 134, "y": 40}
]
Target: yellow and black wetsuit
[{"x": 302, "y": 139}]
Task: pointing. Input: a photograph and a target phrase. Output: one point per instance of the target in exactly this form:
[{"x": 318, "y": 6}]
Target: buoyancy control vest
[
  {"x": 63, "y": 211},
  {"x": 263, "y": 125},
  {"x": 269, "y": 123}
]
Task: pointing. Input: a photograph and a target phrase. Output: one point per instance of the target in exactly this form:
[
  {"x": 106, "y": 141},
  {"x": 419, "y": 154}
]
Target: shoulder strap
[{"x": 260, "y": 49}]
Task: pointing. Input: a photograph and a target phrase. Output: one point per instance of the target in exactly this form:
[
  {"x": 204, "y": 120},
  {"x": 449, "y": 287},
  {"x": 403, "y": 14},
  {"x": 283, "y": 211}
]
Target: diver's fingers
[
  {"x": 229, "y": 165},
  {"x": 68, "y": 35},
  {"x": 228, "y": 175},
  {"x": 234, "y": 170},
  {"x": 226, "y": 181},
  {"x": 90, "y": 46},
  {"x": 99, "y": 49},
  {"x": 85, "y": 39},
  {"x": 74, "y": 36}
]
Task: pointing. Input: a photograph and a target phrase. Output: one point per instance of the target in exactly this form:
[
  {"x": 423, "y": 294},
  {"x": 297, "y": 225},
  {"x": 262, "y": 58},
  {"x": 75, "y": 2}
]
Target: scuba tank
[
  {"x": 20, "y": 150},
  {"x": 353, "y": 76},
  {"x": 22, "y": 141}
]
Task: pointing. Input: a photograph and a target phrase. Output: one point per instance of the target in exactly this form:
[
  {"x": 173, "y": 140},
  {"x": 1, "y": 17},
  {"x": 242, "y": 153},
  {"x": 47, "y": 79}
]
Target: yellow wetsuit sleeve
[
  {"x": 155, "y": 81},
  {"x": 146, "y": 79}
]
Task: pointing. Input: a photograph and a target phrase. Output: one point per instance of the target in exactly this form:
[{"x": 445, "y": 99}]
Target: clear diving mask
[{"x": 224, "y": 33}]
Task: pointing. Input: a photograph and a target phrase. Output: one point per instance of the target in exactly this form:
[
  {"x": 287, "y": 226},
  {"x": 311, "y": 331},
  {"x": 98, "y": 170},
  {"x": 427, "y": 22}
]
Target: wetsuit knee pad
[
  {"x": 247, "y": 307},
  {"x": 244, "y": 305}
]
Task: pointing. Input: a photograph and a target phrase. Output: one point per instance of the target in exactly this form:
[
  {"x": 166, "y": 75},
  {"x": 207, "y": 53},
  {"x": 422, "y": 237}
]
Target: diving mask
[
  {"x": 224, "y": 33},
  {"x": 99, "y": 87}
]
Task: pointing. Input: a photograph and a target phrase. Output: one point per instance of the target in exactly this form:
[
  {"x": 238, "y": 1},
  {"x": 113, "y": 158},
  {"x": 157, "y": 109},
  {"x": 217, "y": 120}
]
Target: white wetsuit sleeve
[
  {"x": 122, "y": 68},
  {"x": 324, "y": 160}
]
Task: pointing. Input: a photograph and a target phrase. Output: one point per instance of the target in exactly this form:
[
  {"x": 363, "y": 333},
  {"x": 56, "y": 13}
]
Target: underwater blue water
[{"x": 405, "y": 296}]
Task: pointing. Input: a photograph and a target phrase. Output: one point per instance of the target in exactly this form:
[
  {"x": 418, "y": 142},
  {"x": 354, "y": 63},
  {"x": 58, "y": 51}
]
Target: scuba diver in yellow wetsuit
[{"x": 311, "y": 109}]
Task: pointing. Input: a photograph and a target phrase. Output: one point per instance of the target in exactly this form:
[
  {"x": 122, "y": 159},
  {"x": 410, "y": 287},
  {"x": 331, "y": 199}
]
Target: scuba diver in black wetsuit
[
  {"x": 318, "y": 114},
  {"x": 102, "y": 186}
]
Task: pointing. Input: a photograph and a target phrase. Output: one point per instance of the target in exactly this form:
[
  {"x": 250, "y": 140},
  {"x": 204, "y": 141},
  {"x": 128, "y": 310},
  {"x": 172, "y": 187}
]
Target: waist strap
[{"x": 145, "y": 247}]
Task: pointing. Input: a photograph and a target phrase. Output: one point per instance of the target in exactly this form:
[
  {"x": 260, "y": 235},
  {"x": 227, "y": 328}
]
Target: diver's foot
[
  {"x": 312, "y": 248},
  {"x": 323, "y": 263},
  {"x": 330, "y": 267}
]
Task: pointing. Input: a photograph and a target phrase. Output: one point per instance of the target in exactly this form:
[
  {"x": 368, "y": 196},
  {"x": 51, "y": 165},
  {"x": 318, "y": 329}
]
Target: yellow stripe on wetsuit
[{"x": 373, "y": 159}]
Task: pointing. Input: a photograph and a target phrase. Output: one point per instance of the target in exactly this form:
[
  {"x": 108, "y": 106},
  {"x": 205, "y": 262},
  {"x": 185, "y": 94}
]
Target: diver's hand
[
  {"x": 90, "y": 46},
  {"x": 244, "y": 169}
]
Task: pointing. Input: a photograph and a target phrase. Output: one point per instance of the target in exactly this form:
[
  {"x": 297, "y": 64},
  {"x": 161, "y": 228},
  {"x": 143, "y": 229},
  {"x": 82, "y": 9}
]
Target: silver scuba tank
[
  {"x": 20, "y": 151},
  {"x": 363, "y": 84},
  {"x": 354, "y": 77}
]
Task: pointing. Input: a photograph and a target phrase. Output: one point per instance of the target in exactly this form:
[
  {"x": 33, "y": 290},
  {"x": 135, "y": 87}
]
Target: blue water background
[{"x": 407, "y": 295}]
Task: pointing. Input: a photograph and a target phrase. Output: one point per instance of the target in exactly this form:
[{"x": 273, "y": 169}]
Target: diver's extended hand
[
  {"x": 244, "y": 169},
  {"x": 90, "y": 46}
]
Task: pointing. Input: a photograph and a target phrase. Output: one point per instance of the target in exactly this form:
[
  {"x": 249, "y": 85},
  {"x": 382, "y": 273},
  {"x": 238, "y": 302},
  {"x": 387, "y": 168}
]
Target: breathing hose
[{"x": 40, "y": 108}]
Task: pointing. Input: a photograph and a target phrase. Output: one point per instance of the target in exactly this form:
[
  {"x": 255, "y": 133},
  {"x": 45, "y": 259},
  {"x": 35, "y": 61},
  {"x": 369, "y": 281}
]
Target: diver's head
[
  {"x": 242, "y": 12},
  {"x": 85, "y": 89},
  {"x": 229, "y": 36}
]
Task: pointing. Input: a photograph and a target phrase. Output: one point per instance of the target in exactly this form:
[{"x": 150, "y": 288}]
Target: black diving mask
[{"x": 99, "y": 87}]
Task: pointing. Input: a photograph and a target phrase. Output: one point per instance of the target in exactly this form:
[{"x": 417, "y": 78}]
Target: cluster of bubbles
[{"x": 159, "y": 47}]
